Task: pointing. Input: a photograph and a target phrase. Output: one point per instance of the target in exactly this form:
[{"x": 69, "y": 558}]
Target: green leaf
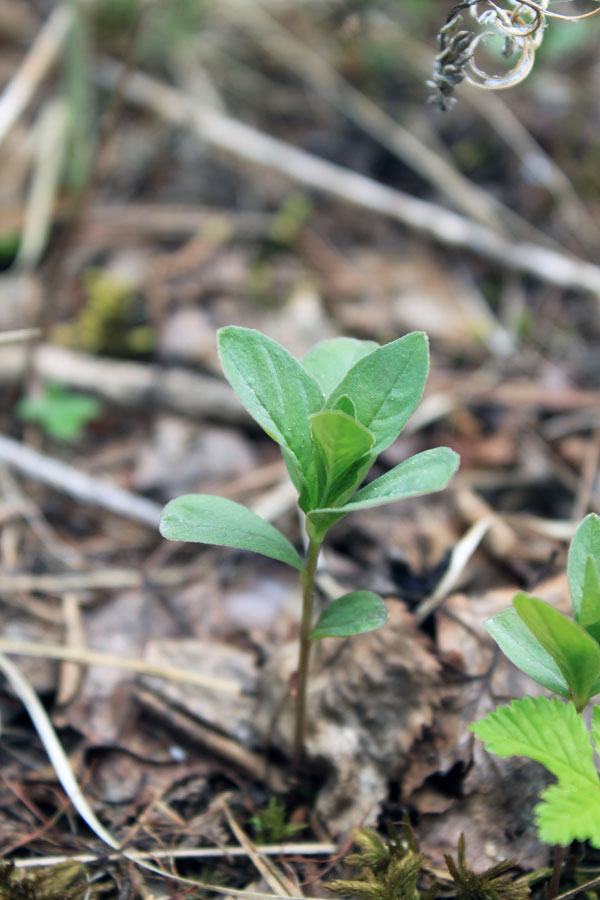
[
  {"x": 574, "y": 651},
  {"x": 525, "y": 651},
  {"x": 275, "y": 389},
  {"x": 585, "y": 543},
  {"x": 345, "y": 404},
  {"x": 330, "y": 360},
  {"x": 589, "y": 613},
  {"x": 554, "y": 734},
  {"x": 354, "y": 613},
  {"x": 423, "y": 473},
  {"x": 569, "y": 811},
  {"x": 206, "y": 519},
  {"x": 340, "y": 444},
  {"x": 61, "y": 413},
  {"x": 544, "y": 729},
  {"x": 386, "y": 386}
]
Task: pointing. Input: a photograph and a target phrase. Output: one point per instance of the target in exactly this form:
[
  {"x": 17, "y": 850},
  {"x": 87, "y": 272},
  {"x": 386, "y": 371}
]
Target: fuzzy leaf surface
[
  {"x": 207, "y": 519},
  {"x": 576, "y": 654},
  {"x": 340, "y": 442},
  {"x": 354, "y": 613},
  {"x": 275, "y": 388},
  {"x": 386, "y": 386},
  {"x": 524, "y": 650},
  {"x": 345, "y": 404},
  {"x": 423, "y": 473},
  {"x": 586, "y": 542},
  {"x": 330, "y": 360},
  {"x": 589, "y": 613}
]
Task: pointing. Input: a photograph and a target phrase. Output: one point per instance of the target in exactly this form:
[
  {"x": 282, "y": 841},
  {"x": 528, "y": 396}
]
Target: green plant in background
[
  {"x": 563, "y": 655},
  {"x": 109, "y": 319},
  {"x": 78, "y": 92},
  {"x": 331, "y": 414},
  {"x": 270, "y": 826},
  {"x": 62, "y": 413}
]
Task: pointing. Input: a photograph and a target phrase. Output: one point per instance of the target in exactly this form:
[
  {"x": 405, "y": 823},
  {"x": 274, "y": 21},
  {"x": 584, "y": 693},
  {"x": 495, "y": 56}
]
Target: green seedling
[
  {"x": 270, "y": 826},
  {"x": 331, "y": 414},
  {"x": 563, "y": 655},
  {"x": 62, "y": 413}
]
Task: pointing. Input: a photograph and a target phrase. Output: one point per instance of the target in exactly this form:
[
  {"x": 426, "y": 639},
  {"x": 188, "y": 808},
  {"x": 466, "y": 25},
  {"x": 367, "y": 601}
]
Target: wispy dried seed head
[{"x": 449, "y": 67}]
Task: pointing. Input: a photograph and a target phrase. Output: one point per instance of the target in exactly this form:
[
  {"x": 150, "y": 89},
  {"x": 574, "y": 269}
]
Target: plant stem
[
  {"x": 553, "y": 886},
  {"x": 308, "y": 587}
]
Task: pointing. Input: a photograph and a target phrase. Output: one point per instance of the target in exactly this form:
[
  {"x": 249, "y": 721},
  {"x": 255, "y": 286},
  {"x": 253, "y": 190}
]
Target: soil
[{"x": 180, "y": 166}]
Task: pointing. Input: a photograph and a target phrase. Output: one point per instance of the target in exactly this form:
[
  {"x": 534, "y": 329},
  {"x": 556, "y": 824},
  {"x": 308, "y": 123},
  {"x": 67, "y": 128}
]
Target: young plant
[
  {"x": 331, "y": 415},
  {"x": 62, "y": 413},
  {"x": 563, "y": 655},
  {"x": 270, "y": 825}
]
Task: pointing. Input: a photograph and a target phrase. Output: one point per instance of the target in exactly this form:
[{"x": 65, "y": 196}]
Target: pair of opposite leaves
[
  {"x": 331, "y": 415},
  {"x": 560, "y": 653}
]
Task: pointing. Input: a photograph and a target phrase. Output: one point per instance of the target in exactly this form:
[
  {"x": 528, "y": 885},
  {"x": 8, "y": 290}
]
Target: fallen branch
[
  {"x": 444, "y": 226},
  {"x": 129, "y": 384},
  {"x": 77, "y": 484}
]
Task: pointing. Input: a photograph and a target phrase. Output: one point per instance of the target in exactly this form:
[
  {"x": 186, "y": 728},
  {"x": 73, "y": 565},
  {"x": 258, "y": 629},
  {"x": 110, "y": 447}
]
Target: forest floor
[{"x": 173, "y": 167}]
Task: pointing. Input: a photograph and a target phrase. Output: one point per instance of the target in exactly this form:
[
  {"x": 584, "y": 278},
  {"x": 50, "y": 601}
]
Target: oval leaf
[
  {"x": 275, "y": 389},
  {"x": 330, "y": 360},
  {"x": 423, "y": 473},
  {"x": 354, "y": 613},
  {"x": 576, "y": 654},
  {"x": 525, "y": 651},
  {"x": 340, "y": 442},
  {"x": 206, "y": 519},
  {"x": 386, "y": 386},
  {"x": 585, "y": 544}
]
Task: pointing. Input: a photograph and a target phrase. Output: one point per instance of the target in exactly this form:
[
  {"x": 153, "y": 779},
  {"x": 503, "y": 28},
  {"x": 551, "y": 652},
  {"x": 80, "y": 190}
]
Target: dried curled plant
[
  {"x": 397, "y": 870},
  {"x": 520, "y": 23}
]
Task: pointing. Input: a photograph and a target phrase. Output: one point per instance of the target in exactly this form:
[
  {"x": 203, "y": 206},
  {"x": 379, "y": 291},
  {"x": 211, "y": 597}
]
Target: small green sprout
[
  {"x": 331, "y": 414},
  {"x": 63, "y": 414},
  {"x": 563, "y": 655},
  {"x": 270, "y": 826}
]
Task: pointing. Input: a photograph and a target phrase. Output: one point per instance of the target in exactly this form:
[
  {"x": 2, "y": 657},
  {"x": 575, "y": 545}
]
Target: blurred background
[{"x": 168, "y": 167}]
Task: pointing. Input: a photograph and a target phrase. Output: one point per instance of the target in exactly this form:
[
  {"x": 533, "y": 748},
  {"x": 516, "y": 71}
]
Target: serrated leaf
[
  {"x": 544, "y": 729},
  {"x": 207, "y": 519},
  {"x": 569, "y": 811},
  {"x": 340, "y": 444},
  {"x": 386, "y": 386},
  {"x": 276, "y": 389},
  {"x": 354, "y": 613},
  {"x": 423, "y": 473},
  {"x": 329, "y": 360},
  {"x": 554, "y": 734},
  {"x": 586, "y": 542},
  {"x": 524, "y": 650},
  {"x": 576, "y": 654}
]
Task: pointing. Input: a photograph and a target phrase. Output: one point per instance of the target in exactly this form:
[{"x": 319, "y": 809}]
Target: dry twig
[{"x": 438, "y": 223}]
